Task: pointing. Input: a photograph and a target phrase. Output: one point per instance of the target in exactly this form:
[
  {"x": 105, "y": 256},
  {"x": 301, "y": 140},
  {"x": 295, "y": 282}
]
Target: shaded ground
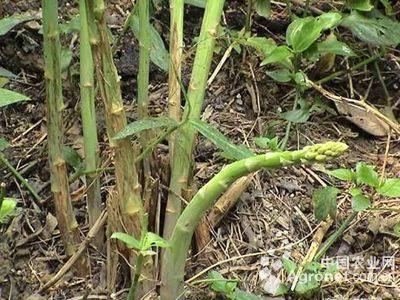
[{"x": 275, "y": 212}]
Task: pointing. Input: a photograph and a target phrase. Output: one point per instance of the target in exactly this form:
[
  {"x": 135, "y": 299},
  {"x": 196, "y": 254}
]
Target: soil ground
[{"x": 275, "y": 214}]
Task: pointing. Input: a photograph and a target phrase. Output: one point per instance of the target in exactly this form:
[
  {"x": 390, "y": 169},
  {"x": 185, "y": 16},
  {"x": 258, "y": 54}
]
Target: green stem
[
  {"x": 182, "y": 152},
  {"x": 173, "y": 263},
  {"x": 55, "y": 106},
  {"x": 135, "y": 282},
  {"x": 144, "y": 59},
  {"x": 88, "y": 113},
  {"x": 21, "y": 179},
  {"x": 332, "y": 239}
]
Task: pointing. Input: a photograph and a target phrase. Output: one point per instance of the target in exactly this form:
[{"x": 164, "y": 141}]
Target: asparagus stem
[
  {"x": 174, "y": 92},
  {"x": 88, "y": 114},
  {"x": 182, "y": 153},
  {"x": 173, "y": 264},
  {"x": 58, "y": 170},
  {"x": 109, "y": 86}
]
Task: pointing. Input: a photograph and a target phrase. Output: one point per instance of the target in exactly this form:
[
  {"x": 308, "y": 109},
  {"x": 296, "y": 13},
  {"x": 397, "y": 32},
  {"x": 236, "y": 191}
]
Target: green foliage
[
  {"x": 390, "y": 188},
  {"x": 198, "y": 3},
  {"x": 147, "y": 241},
  {"x": 230, "y": 150},
  {"x": 72, "y": 157},
  {"x": 373, "y": 27},
  {"x": 334, "y": 47},
  {"x": 362, "y": 5},
  {"x": 6, "y": 74},
  {"x": 302, "y": 33},
  {"x": 343, "y": 174},
  {"x": 8, "y": 97},
  {"x": 228, "y": 288},
  {"x": 7, "y": 209},
  {"x": 8, "y": 23},
  {"x": 267, "y": 143},
  {"x": 263, "y": 7},
  {"x": 365, "y": 174},
  {"x": 360, "y": 202},
  {"x": 4, "y": 144},
  {"x": 145, "y": 124},
  {"x": 158, "y": 53},
  {"x": 289, "y": 266},
  {"x": 396, "y": 229},
  {"x": 325, "y": 203}
]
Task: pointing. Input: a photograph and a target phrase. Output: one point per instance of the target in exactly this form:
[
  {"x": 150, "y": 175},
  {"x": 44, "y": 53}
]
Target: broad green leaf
[
  {"x": 360, "y": 202},
  {"x": 198, "y": 3},
  {"x": 307, "y": 283},
  {"x": 145, "y": 124},
  {"x": 283, "y": 289},
  {"x": 313, "y": 266},
  {"x": 280, "y": 75},
  {"x": 129, "y": 240},
  {"x": 280, "y": 55},
  {"x": 66, "y": 58},
  {"x": 363, "y": 5},
  {"x": 8, "y": 97},
  {"x": 72, "y": 157},
  {"x": 220, "y": 284},
  {"x": 7, "y": 74},
  {"x": 154, "y": 240},
  {"x": 297, "y": 115},
  {"x": 4, "y": 144},
  {"x": 396, "y": 229},
  {"x": 222, "y": 142},
  {"x": 158, "y": 53},
  {"x": 261, "y": 44},
  {"x": 302, "y": 33},
  {"x": 329, "y": 20},
  {"x": 343, "y": 174},
  {"x": 390, "y": 188},
  {"x": 325, "y": 203},
  {"x": 335, "y": 47},
  {"x": 289, "y": 266},
  {"x": 355, "y": 191},
  {"x": 373, "y": 27},
  {"x": 367, "y": 175},
  {"x": 8, "y": 23},
  {"x": 7, "y": 209},
  {"x": 73, "y": 25},
  {"x": 267, "y": 143},
  {"x": 263, "y": 7}
]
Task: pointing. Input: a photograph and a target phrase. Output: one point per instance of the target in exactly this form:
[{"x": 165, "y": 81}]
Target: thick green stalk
[
  {"x": 88, "y": 114},
  {"x": 182, "y": 152},
  {"x": 55, "y": 106},
  {"x": 173, "y": 264},
  {"x": 174, "y": 94},
  {"x": 108, "y": 82},
  {"x": 144, "y": 59}
]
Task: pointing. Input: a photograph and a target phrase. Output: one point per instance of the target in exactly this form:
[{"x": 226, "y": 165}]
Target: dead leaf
[{"x": 365, "y": 120}]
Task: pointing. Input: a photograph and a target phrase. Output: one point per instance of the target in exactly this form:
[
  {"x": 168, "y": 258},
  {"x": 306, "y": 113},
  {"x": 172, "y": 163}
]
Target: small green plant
[
  {"x": 365, "y": 184},
  {"x": 7, "y": 205},
  {"x": 144, "y": 246},
  {"x": 228, "y": 287}
]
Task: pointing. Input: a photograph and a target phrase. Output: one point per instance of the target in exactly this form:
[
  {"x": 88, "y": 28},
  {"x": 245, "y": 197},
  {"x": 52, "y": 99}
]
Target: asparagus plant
[
  {"x": 174, "y": 93},
  {"x": 55, "y": 106},
  {"x": 173, "y": 264},
  {"x": 183, "y": 146},
  {"x": 88, "y": 113},
  {"x": 108, "y": 81},
  {"x": 143, "y": 89}
]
